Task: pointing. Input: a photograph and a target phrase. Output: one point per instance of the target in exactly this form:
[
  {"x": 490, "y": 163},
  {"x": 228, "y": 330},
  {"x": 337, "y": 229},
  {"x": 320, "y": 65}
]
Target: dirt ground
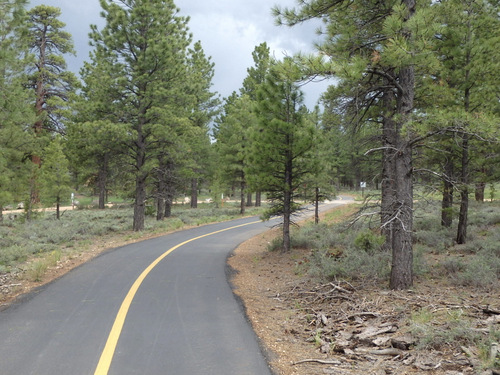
[
  {"x": 308, "y": 327},
  {"x": 312, "y": 327}
]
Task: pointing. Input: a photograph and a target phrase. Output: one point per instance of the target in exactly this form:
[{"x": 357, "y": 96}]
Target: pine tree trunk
[
  {"x": 169, "y": 187},
  {"x": 242, "y": 198},
  {"x": 286, "y": 221},
  {"x": 40, "y": 94},
  {"x": 34, "y": 188},
  {"x": 160, "y": 208},
  {"x": 140, "y": 184},
  {"x": 102, "y": 177},
  {"x": 168, "y": 208},
  {"x": 161, "y": 191},
  {"x": 464, "y": 192},
  {"x": 287, "y": 204},
  {"x": 316, "y": 206},
  {"x": 58, "y": 208},
  {"x": 140, "y": 203},
  {"x": 463, "y": 216},
  {"x": 249, "y": 200},
  {"x": 258, "y": 199},
  {"x": 479, "y": 191},
  {"x": 447, "y": 201},
  {"x": 169, "y": 201},
  {"x": 402, "y": 207},
  {"x": 402, "y": 212},
  {"x": 194, "y": 193}
]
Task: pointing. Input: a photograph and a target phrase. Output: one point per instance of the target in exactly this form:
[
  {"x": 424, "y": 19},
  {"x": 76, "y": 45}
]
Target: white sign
[{"x": 362, "y": 185}]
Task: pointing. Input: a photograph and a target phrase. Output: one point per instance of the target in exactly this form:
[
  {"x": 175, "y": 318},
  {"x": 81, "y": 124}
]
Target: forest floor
[
  {"x": 307, "y": 326},
  {"x": 311, "y": 327}
]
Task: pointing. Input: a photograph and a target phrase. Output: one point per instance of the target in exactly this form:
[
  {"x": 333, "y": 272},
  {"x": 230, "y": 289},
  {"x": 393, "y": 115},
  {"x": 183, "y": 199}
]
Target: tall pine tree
[
  {"x": 281, "y": 143},
  {"x": 374, "y": 48},
  {"x": 15, "y": 106},
  {"x": 52, "y": 83},
  {"x": 140, "y": 54}
]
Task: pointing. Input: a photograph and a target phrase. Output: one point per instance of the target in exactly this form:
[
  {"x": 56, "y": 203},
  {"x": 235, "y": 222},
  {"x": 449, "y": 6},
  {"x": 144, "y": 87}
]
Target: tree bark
[
  {"x": 479, "y": 191},
  {"x": 194, "y": 193},
  {"x": 242, "y": 198},
  {"x": 287, "y": 203},
  {"x": 249, "y": 200},
  {"x": 316, "y": 206},
  {"x": 160, "y": 208},
  {"x": 400, "y": 215},
  {"x": 58, "y": 208},
  {"x": 464, "y": 192},
  {"x": 102, "y": 177},
  {"x": 140, "y": 203},
  {"x": 40, "y": 94},
  {"x": 168, "y": 207},
  {"x": 402, "y": 207},
  {"x": 258, "y": 199},
  {"x": 140, "y": 180}
]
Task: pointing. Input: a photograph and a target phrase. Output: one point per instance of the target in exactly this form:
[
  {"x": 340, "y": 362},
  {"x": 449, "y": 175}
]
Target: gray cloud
[{"x": 229, "y": 30}]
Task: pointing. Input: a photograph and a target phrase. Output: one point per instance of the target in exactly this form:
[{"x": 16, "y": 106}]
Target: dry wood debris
[{"x": 349, "y": 328}]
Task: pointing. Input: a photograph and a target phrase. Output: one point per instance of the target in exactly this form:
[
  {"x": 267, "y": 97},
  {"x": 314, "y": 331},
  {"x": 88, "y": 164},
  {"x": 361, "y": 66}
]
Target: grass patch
[
  {"x": 436, "y": 329},
  {"x": 37, "y": 270},
  {"x": 50, "y": 239}
]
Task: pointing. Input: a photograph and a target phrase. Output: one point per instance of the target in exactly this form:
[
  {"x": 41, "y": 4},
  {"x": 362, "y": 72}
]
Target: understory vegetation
[
  {"x": 352, "y": 250},
  {"x": 447, "y": 311},
  {"x": 47, "y": 239}
]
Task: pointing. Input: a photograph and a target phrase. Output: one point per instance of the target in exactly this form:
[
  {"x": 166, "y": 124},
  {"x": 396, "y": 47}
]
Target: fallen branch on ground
[{"x": 322, "y": 361}]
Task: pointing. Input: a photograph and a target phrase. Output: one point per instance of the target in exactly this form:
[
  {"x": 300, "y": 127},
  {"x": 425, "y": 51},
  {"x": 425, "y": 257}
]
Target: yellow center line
[{"x": 114, "y": 335}]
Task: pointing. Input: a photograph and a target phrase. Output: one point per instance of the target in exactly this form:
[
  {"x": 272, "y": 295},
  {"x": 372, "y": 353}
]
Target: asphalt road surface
[{"x": 160, "y": 306}]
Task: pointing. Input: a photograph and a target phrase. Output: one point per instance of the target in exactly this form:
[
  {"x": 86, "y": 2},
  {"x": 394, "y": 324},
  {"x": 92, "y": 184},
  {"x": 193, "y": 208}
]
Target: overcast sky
[{"x": 229, "y": 30}]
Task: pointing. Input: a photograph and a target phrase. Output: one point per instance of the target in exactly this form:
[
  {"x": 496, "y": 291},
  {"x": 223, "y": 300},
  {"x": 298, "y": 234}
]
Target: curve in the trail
[
  {"x": 114, "y": 335},
  {"x": 143, "y": 308}
]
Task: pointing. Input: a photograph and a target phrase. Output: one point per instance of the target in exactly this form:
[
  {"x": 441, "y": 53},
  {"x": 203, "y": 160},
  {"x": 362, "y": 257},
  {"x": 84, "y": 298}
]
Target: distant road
[{"x": 161, "y": 306}]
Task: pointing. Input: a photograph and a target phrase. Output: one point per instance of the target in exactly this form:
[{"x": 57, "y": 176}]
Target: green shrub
[
  {"x": 351, "y": 264},
  {"x": 451, "y": 266},
  {"x": 37, "y": 270},
  {"x": 420, "y": 266},
  {"x": 435, "y": 332},
  {"x": 13, "y": 254},
  {"x": 438, "y": 241},
  {"x": 479, "y": 272},
  {"x": 369, "y": 241},
  {"x": 276, "y": 244}
]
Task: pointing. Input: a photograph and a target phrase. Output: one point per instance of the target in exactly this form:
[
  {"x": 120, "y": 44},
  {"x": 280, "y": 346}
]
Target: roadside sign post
[{"x": 363, "y": 186}]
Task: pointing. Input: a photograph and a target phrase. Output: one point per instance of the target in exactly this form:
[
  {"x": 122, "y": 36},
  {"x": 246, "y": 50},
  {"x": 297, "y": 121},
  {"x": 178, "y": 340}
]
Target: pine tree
[
  {"x": 373, "y": 48},
  {"x": 468, "y": 47},
  {"x": 15, "y": 106},
  {"x": 256, "y": 76},
  {"x": 52, "y": 83},
  {"x": 281, "y": 143},
  {"x": 138, "y": 71},
  {"x": 54, "y": 176},
  {"x": 204, "y": 107},
  {"x": 232, "y": 136},
  {"x": 93, "y": 147}
]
